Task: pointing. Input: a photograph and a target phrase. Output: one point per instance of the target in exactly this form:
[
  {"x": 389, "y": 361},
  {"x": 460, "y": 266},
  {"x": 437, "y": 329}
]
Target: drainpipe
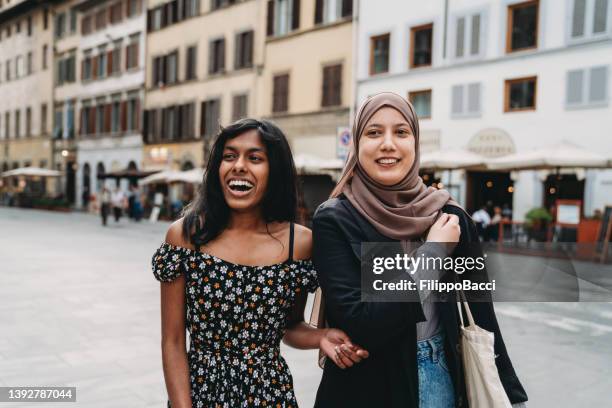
[{"x": 445, "y": 28}]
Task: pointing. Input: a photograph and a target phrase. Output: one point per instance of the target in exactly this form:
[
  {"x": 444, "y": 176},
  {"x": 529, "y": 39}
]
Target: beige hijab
[{"x": 403, "y": 211}]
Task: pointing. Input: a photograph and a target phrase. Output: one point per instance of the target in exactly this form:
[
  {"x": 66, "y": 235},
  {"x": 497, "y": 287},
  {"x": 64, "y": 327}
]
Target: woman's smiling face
[
  {"x": 387, "y": 147},
  {"x": 244, "y": 171}
]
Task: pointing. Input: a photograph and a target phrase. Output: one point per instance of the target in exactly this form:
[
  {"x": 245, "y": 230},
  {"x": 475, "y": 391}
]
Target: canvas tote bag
[{"x": 482, "y": 382}]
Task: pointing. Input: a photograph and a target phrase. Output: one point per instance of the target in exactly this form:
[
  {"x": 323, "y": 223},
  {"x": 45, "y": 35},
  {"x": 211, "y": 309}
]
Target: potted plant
[{"x": 536, "y": 223}]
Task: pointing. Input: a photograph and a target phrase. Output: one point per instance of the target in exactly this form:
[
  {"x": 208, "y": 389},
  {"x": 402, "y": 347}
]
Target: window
[
  {"x": 29, "y": 25},
  {"x": 170, "y": 121},
  {"x": 133, "y": 7},
  {"x": 187, "y": 120},
  {"x": 191, "y": 8},
  {"x": 73, "y": 20},
  {"x": 115, "y": 58},
  {"x": 155, "y": 21},
  {"x": 328, "y": 11},
  {"x": 465, "y": 100},
  {"x": 86, "y": 27},
  {"x": 99, "y": 117},
  {"x": 43, "y": 119},
  {"x": 86, "y": 66},
  {"x": 133, "y": 112},
  {"x": 244, "y": 50},
  {"x": 587, "y": 87},
  {"x": 522, "y": 30},
  {"x": 332, "y": 85},
  {"x": 216, "y": 4},
  {"x": 8, "y": 70},
  {"x": 60, "y": 25},
  {"x": 191, "y": 66},
  {"x": 421, "y": 100},
  {"x": 520, "y": 94},
  {"x": 19, "y": 67},
  {"x": 101, "y": 19},
  {"x": 379, "y": 54},
  {"x": 216, "y": 56},
  {"x": 421, "y": 38},
  {"x": 65, "y": 72},
  {"x": 283, "y": 17},
  {"x": 589, "y": 19},
  {"x": 45, "y": 19},
  {"x": 28, "y": 128},
  {"x": 116, "y": 13},
  {"x": 468, "y": 36},
  {"x": 172, "y": 66},
  {"x": 210, "y": 117},
  {"x": 7, "y": 125},
  {"x": 240, "y": 106},
  {"x": 159, "y": 74},
  {"x": 85, "y": 123},
  {"x": 58, "y": 122},
  {"x": 280, "y": 93},
  {"x": 115, "y": 112},
  {"x": 102, "y": 60},
  {"x": 132, "y": 52}
]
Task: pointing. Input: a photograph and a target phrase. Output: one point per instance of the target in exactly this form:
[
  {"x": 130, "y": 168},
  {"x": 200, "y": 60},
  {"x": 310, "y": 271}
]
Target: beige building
[
  {"x": 306, "y": 85},
  {"x": 202, "y": 61},
  {"x": 26, "y": 85}
]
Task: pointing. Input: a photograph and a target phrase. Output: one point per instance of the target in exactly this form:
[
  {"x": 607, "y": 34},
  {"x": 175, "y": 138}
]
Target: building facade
[
  {"x": 306, "y": 84},
  {"x": 26, "y": 85},
  {"x": 202, "y": 60},
  {"x": 109, "y": 92},
  {"x": 498, "y": 77}
]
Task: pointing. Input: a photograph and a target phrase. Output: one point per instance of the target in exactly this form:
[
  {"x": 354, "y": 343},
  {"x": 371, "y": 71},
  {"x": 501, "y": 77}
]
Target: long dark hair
[{"x": 280, "y": 199}]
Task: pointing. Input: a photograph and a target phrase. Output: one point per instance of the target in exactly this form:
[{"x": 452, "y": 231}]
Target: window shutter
[
  {"x": 475, "y": 39},
  {"x": 248, "y": 54},
  {"x": 145, "y": 127},
  {"x": 578, "y": 16},
  {"x": 574, "y": 87},
  {"x": 270, "y": 18},
  {"x": 81, "y": 111},
  {"x": 295, "y": 17},
  {"x": 136, "y": 113},
  {"x": 319, "y": 11},
  {"x": 92, "y": 120},
  {"x": 457, "y": 100},
  {"x": 598, "y": 84},
  {"x": 460, "y": 34},
  {"x": 325, "y": 87},
  {"x": 211, "y": 57},
  {"x": 347, "y": 8},
  {"x": 473, "y": 98},
  {"x": 222, "y": 55},
  {"x": 202, "y": 118},
  {"x": 238, "y": 52},
  {"x": 123, "y": 116},
  {"x": 107, "y": 117},
  {"x": 601, "y": 16},
  {"x": 109, "y": 63},
  {"x": 94, "y": 65},
  {"x": 83, "y": 69}
]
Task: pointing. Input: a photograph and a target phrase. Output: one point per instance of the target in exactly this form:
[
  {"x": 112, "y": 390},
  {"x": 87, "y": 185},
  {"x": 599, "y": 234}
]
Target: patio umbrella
[
  {"x": 308, "y": 163},
  {"x": 449, "y": 159},
  {"x": 193, "y": 176},
  {"x": 160, "y": 177},
  {"x": 561, "y": 155},
  {"x": 31, "y": 172}
]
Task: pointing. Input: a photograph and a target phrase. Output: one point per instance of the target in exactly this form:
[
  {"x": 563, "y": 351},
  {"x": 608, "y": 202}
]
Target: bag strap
[{"x": 468, "y": 312}]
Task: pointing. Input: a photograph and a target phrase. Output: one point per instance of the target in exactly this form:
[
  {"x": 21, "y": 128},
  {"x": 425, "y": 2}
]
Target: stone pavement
[{"x": 80, "y": 307}]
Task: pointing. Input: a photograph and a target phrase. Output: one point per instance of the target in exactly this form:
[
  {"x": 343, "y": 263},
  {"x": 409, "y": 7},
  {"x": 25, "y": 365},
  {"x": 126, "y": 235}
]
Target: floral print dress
[{"x": 236, "y": 316}]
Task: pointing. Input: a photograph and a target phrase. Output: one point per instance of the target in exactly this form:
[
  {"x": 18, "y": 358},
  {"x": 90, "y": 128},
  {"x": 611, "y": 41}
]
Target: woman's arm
[
  {"x": 174, "y": 354},
  {"x": 333, "y": 342},
  {"x": 370, "y": 324}
]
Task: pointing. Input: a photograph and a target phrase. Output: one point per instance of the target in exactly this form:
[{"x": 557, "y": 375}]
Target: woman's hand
[
  {"x": 445, "y": 230},
  {"x": 338, "y": 347}
]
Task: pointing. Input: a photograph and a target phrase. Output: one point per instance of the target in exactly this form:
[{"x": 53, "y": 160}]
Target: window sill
[
  {"x": 589, "y": 105},
  {"x": 518, "y": 110}
]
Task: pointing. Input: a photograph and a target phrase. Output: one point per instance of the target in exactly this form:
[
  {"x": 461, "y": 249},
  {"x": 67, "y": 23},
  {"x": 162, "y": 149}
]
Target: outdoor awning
[
  {"x": 126, "y": 173},
  {"x": 560, "y": 155},
  {"x": 194, "y": 176},
  {"x": 450, "y": 159},
  {"x": 31, "y": 172}
]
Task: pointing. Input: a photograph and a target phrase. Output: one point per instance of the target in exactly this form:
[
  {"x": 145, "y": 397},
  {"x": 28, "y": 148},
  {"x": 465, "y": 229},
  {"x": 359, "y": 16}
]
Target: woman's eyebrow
[{"x": 251, "y": 150}]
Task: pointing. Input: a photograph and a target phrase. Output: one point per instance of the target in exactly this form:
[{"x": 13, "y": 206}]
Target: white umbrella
[
  {"x": 161, "y": 177},
  {"x": 562, "y": 154},
  {"x": 310, "y": 163},
  {"x": 31, "y": 172},
  {"x": 450, "y": 159},
  {"x": 193, "y": 176}
]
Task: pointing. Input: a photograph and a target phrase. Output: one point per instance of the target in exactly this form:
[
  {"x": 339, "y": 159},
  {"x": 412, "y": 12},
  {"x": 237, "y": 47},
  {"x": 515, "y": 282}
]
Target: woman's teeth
[
  {"x": 240, "y": 185},
  {"x": 386, "y": 161}
]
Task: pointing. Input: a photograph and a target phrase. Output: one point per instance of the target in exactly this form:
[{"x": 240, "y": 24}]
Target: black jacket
[{"x": 388, "y": 378}]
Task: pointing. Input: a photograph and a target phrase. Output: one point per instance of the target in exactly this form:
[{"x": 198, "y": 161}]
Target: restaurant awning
[{"x": 31, "y": 172}]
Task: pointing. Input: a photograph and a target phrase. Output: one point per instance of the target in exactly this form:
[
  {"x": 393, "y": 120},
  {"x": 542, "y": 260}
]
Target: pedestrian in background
[
  {"x": 118, "y": 202},
  {"x": 105, "y": 204}
]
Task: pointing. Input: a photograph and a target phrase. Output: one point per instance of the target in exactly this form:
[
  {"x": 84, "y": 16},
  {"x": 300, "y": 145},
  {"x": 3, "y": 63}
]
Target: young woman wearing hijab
[
  {"x": 414, "y": 347},
  {"x": 235, "y": 271}
]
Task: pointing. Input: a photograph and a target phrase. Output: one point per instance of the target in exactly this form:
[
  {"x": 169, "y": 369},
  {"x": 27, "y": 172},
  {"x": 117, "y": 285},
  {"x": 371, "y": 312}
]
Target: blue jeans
[{"x": 435, "y": 384}]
